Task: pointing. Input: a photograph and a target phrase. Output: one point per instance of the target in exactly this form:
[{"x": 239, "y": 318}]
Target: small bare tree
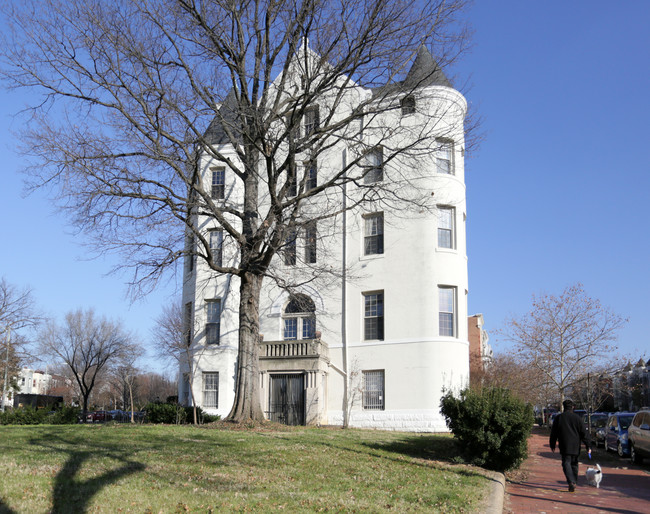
[
  {"x": 17, "y": 312},
  {"x": 87, "y": 345},
  {"x": 125, "y": 371},
  {"x": 172, "y": 340},
  {"x": 564, "y": 336}
]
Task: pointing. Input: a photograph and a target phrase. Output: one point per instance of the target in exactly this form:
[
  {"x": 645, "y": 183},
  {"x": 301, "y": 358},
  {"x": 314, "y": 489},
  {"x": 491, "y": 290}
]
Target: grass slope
[{"x": 123, "y": 468}]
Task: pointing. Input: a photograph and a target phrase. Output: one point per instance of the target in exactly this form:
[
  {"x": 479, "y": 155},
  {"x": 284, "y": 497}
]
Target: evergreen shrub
[
  {"x": 490, "y": 425},
  {"x": 158, "y": 412},
  {"x": 65, "y": 416},
  {"x": 27, "y": 415}
]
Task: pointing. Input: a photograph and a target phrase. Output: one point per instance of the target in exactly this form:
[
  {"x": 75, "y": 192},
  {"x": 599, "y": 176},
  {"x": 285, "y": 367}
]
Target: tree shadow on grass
[
  {"x": 70, "y": 492},
  {"x": 428, "y": 447},
  {"x": 4, "y": 508}
]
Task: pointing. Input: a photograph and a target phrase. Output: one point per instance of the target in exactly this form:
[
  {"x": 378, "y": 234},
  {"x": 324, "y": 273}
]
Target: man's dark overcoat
[{"x": 569, "y": 430}]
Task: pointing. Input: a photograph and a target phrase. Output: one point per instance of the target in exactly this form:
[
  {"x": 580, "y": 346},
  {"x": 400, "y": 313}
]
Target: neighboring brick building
[{"x": 480, "y": 352}]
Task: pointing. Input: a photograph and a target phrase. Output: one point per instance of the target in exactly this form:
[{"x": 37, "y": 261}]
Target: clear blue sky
[{"x": 556, "y": 194}]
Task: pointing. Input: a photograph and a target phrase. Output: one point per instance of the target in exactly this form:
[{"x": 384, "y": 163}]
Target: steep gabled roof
[{"x": 228, "y": 115}]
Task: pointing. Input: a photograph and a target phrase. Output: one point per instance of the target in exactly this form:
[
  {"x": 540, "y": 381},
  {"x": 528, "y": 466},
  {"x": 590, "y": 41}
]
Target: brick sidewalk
[{"x": 625, "y": 488}]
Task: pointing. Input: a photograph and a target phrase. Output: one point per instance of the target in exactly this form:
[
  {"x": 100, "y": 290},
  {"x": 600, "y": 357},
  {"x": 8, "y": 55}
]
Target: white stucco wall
[{"x": 418, "y": 363}]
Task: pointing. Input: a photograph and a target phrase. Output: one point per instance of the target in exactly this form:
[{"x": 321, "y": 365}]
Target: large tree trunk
[{"x": 247, "y": 405}]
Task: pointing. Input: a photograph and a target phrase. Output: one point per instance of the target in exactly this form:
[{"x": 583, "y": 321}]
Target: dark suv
[
  {"x": 639, "y": 436},
  {"x": 616, "y": 432}
]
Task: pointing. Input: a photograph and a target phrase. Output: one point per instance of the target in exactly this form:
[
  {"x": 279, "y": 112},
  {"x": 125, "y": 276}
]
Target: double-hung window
[
  {"x": 446, "y": 224},
  {"x": 310, "y": 243},
  {"x": 311, "y": 120},
  {"x": 212, "y": 321},
  {"x": 189, "y": 256},
  {"x": 373, "y": 164},
  {"x": 373, "y": 317},
  {"x": 292, "y": 183},
  {"x": 373, "y": 389},
  {"x": 373, "y": 237},
  {"x": 210, "y": 389},
  {"x": 218, "y": 189},
  {"x": 188, "y": 321},
  {"x": 216, "y": 246},
  {"x": 445, "y": 156},
  {"x": 290, "y": 249},
  {"x": 311, "y": 170},
  {"x": 447, "y": 311}
]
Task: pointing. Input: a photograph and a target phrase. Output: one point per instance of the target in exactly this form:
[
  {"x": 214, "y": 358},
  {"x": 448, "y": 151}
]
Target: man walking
[{"x": 570, "y": 431}]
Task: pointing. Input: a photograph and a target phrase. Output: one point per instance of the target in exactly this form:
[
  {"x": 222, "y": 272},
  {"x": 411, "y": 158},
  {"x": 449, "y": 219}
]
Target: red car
[{"x": 100, "y": 416}]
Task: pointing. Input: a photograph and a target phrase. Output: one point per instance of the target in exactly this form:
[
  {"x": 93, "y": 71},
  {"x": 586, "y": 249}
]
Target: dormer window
[{"x": 408, "y": 105}]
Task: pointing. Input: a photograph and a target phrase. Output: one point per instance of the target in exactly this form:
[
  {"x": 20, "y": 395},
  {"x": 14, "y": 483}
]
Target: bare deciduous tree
[
  {"x": 133, "y": 93},
  {"x": 564, "y": 336},
  {"x": 87, "y": 345},
  {"x": 172, "y": 341}
]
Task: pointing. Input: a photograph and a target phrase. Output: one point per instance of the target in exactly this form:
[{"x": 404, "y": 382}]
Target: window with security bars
[
  {"x": 212, "y": 321},
  {"x": 218, "y": 189},
  {"x": 373, "y": 240},
  {"x": 216, "y": 246},
  {"x": 446, "y": 237},
  {"x": 444, "y": 156},
  {"x": 210, "y": 390},
  {"x": 373, "y": 317},
  {"x": 373, "y": 390},
  {"x": 373, "y": 163},
  {"x": 447, "y": 311}
]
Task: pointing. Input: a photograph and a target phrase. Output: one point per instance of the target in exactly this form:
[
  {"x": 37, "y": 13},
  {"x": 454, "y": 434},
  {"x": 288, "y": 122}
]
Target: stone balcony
[{"x": 295, "y": 349}]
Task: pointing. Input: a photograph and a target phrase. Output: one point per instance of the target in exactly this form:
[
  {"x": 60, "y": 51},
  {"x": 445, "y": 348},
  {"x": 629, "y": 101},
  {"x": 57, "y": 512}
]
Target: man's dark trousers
[{"x": 570, "y": 468}]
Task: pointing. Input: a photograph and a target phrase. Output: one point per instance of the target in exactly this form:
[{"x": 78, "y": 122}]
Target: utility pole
[{"x": 4, "y": 387}]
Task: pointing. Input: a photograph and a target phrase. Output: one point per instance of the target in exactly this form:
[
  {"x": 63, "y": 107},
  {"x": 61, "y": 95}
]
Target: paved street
[{"x": 540, "y": 486}]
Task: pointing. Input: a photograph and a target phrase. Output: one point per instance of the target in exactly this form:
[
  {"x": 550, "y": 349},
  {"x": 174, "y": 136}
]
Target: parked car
[
  {"x": 597, "y": 429},
  {"x": 100, "y": 416},
  {"x": 639, "y": 436},
  {"x": 616, "y": 432}
]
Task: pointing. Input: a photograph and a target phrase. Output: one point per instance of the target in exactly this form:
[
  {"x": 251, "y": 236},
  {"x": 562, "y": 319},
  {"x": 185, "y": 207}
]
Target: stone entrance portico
[{"x": 309, "y": 358}]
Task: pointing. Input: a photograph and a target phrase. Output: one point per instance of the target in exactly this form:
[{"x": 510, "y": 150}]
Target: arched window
[{"x": 299, "y": 318}]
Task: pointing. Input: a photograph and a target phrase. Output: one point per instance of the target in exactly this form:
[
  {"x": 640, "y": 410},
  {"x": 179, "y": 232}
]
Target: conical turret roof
[{"x": 425, "y": 71}]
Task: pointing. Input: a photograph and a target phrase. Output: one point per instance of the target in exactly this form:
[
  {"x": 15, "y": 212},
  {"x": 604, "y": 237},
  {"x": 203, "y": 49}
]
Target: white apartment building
[{"x": 378, "y": 341}]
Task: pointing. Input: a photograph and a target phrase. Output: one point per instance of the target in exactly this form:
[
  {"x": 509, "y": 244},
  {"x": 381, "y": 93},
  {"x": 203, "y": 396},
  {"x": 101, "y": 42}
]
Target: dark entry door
[{"x": 287, "y": 402}]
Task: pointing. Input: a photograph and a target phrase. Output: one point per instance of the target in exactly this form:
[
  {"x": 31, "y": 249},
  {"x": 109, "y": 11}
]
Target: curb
[{"x": 497, "y": 493}]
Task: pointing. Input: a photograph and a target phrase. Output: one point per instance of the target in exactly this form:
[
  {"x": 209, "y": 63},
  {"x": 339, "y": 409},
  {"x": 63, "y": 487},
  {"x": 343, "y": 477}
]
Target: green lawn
[{"x": 150, "y": 468}]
